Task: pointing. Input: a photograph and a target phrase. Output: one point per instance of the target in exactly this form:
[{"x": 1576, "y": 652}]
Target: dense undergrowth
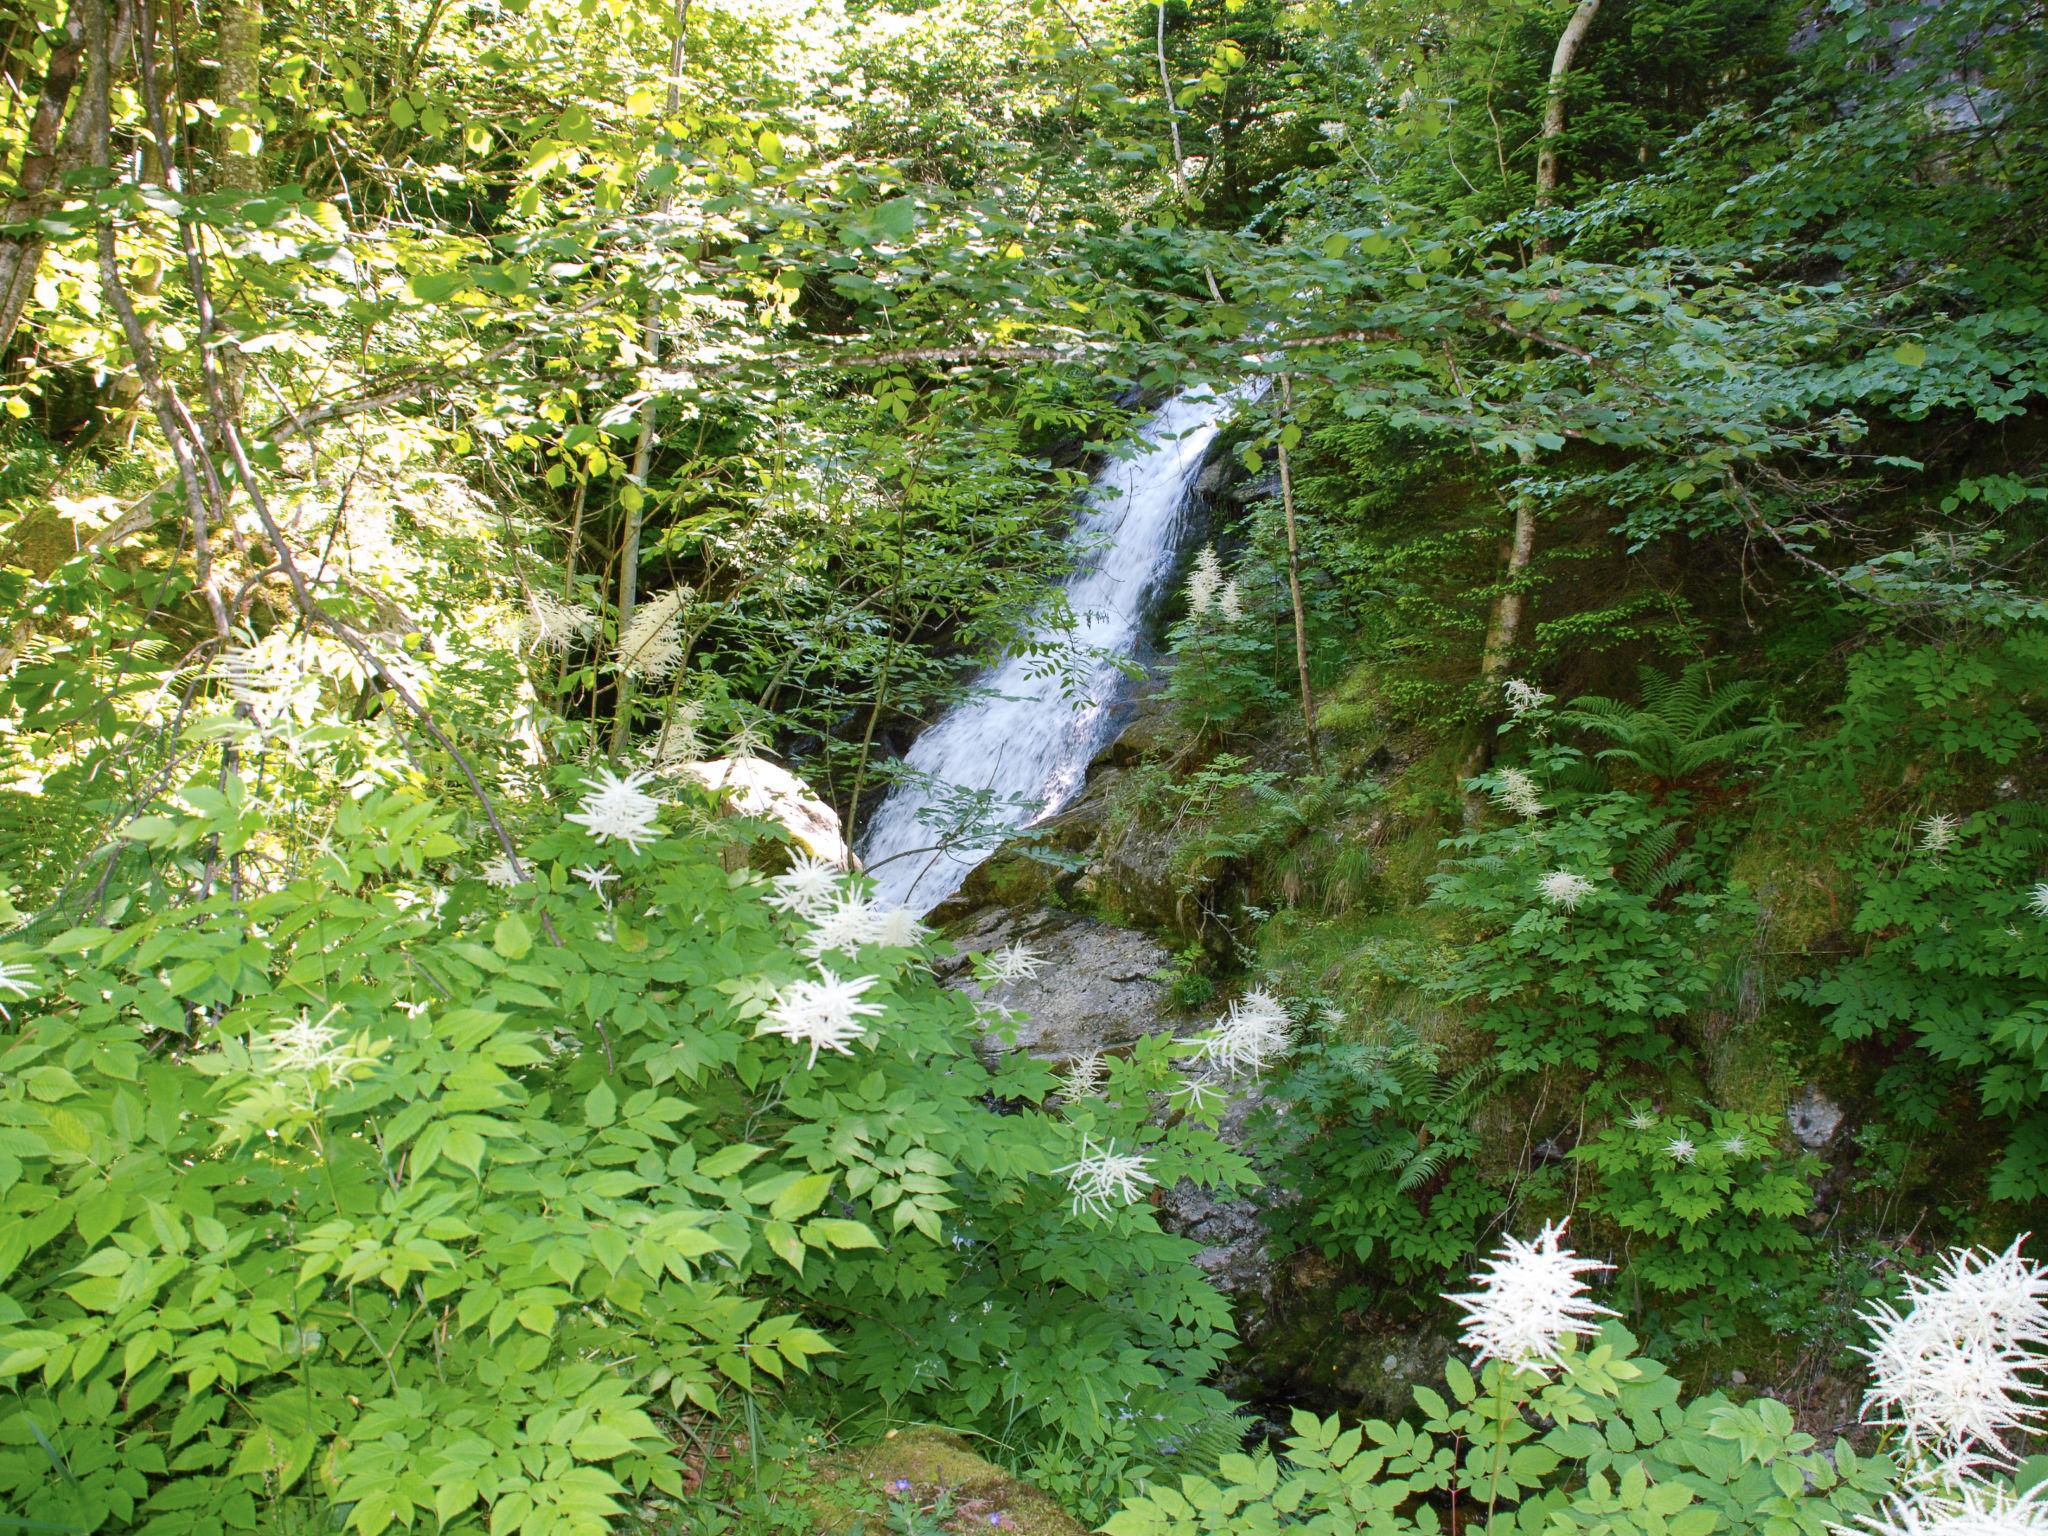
[{"x": 485, "y": 486}]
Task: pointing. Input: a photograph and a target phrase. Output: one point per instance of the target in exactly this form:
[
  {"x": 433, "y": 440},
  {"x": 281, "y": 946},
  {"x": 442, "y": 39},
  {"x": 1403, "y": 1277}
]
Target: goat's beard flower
[
  {"x": 1528, "y": 1300},
  {"x": 550, "y": 624},
  {"x": 1013, "y": 962},
  {"x": 1953, "y": 1369},
  {"x": 618, "y": 808},
  {"x": 1230, "y": 602},
  {"x": 808, "y": 888},
  {"x": 1101, "y": 1178},
  {"x": 597, "y": 878},
  {"x": 500, "y": 871},
  {"x": 1084, "y": 1077},
  {"x": 17, "y": 980},
  {"x": 308, "y": 1048},
  {"x": 651, "y": 645},
  {"x": 844, "y": 926},
  {"x": 1248, "y": 1036},
  {"x": 824, "y": 1013},
  {"x": 1522, "y": 698},
  {"x": 894, "y": 927},
  {"x": 1518, "y": 793},
  {"x": 1205, "y": 581},
  {"x": 1969, "y": 1511},
  {"x": 1937, "y": 834},
  {"x": 1681, "y": 1149},
  {"x": 1565, "y": 890},
  {"x": 2038, "y": 905}
]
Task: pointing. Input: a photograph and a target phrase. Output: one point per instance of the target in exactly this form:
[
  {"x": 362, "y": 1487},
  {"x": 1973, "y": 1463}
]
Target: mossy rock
[{"x": 919, "y": 1465}]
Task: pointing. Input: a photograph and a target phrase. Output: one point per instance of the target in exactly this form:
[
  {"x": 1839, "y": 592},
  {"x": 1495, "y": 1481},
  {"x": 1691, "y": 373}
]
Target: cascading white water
[{"x": 1024, "y": 737}]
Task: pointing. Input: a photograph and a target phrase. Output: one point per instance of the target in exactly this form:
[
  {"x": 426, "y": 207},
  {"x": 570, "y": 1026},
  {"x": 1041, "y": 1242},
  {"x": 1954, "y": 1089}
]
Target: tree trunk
[
  {"x": 51, "y": 149},
  {"x": 1504, "y": 626},
  {"x": 1308, "y": 696},
  {"x": 1553, "y": 108},
  {"x": 643, "y": 449}
]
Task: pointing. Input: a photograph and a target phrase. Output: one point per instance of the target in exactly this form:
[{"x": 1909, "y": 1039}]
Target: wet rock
[
  {"x": 1231, "y": 1231},
  {"x": 1098, "y": 987},
  {"x": 1814, "y": 1118}
]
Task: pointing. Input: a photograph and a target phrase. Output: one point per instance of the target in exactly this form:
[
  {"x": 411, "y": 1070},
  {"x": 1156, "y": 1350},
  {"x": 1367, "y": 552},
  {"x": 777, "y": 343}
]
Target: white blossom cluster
[
  {"x": 1937, "y": 834},
  {"x": 547, "y": 623},
  {"x": 1970, "y": 1511},
  {"x": 1013, "y": 962},
  {"x": 853, "y": 921},
  {"x": 18, "y": 981},
  {"x": 1205, "y": 582},
  {"x": 652, "y": 644},
  {"x": 1519, "y": 794},
  {"x": 1522, "y": 697},
  {"x": 1103, "y": 1178},
  {"x": 2038, "y": 900},
  {"x": 1253, "y": 1032},
  {"x": 823, "y": 1012},
  {"x": 1958, "y": 1370},
  {"x": 1565, "y": 890},
  {"x": 1528, "y": 1299},
  {"x": 1084, "y": 1077},
  {"x": 619, "y": 808}
]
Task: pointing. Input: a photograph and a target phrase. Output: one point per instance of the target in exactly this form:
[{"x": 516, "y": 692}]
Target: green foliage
[
  {"x": 1376, "y": 1137},
  {"x": 404, "y": 1198},
  {"x": 1610, "y": 1446},
  {"x": 1711, "y": 1209},
  {"x": 1602, "y": 976},
  {"x": 1684, "y": 726}
]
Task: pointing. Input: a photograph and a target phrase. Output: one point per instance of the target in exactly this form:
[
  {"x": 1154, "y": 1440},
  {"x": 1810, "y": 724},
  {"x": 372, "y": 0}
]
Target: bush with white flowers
[
  {"x": 1564, "y": 1429},
  {"x": 378, "y": 1200}
]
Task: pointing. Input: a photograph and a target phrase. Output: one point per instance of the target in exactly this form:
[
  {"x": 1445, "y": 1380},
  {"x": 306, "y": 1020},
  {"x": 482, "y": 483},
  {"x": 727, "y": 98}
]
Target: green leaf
[
  {"x": 840, "y": 1234},
  {"x": 512, "y": 938},
  {"x": 801, "y": 1197}
]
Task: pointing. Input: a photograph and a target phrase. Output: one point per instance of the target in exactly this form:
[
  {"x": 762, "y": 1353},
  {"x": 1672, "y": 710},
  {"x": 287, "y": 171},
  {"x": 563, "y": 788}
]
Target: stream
[{"x": 1020, "y": 743}]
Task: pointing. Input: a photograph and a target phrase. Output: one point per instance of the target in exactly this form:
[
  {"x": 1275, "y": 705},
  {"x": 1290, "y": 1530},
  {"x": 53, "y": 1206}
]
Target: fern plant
[{"x": 1684, "y": 726}]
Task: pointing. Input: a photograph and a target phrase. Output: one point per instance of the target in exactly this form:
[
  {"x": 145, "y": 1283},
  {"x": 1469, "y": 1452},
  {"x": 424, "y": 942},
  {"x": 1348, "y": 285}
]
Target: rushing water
[{"x": 1024, "y": 737}]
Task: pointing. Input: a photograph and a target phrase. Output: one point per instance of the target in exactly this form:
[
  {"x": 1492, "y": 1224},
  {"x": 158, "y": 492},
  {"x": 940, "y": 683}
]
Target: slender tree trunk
[
  {"x": 1553, "y": 108},
  {"x": 240, "y": 43},
  {"x": 53, "y": 148},
  {"x": 1510, "y": 608},
  {"x": 1172, "y": 109},
  {"x": 1308, "y": 696},
  {"x": 643, "y": 449}
]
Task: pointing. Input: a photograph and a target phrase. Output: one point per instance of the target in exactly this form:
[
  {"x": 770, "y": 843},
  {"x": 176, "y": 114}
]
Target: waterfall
[{"x": 1025, "y": 735}]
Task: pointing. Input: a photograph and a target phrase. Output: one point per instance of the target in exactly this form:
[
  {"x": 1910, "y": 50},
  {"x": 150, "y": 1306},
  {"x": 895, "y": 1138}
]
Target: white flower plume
[
  {"x": 1528, "y": 1299},
  {"x": 1641, "y": 1119},
  {"x": 1253, "y": 1032},
  {"x": 1230, "y": 602},
  {"x": 1681, "y": 1149},
  {"x": 309, "y": 1048},
  {"x": 1565, "y": 890},
  {"x": 1102, "y": 1178},
  {"x": 1205, "y": 580},
  {"x": 18, "y": 981},
  {"x": 651, "y": 645},
  {"x": 843, "y": 927},
  {"x": 1519, "y": 794},
  {"x": 808, "y": 888},
  {"x": 1084, "y": 1076},
  {"x": 1958, "y": 1369},
  {"x": 619, "y": 808},
  {"x": 2038, "y": 902},
  {"x": 1522, "y": 698},
  {"x": 894, "y": 927},
  {"x": 500, "y": 871},
  {"x": 824, "y": 1013},
  {"x": 1974, "y": 1510},
  {"x": 597, "y": 878},
  {"x": 1736, "y": 1145},
  {"x": 547, "y": 623},
  {"x": 1013, "y": 962},
  {"x": 1937, "y": 833}
]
